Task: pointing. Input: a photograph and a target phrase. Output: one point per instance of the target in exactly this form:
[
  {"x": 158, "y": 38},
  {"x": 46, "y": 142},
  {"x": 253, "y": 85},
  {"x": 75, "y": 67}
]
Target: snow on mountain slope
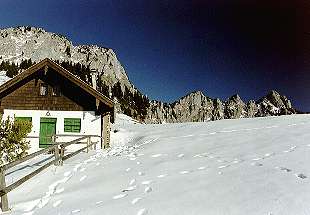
[
  {"x": 245, "y": 166},
  {"x": 3, "y": 77}
]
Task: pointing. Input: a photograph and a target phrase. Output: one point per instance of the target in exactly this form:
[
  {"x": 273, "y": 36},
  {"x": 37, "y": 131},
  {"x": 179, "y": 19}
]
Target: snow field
[{"x": 247, "y": 166}]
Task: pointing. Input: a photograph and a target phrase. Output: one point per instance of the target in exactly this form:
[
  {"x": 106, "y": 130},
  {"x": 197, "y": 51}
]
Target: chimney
[{"x": 94, "y": 75}]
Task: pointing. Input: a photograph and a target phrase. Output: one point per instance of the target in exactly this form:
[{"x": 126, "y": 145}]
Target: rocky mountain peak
[
  {"x": 235, "y": 97},
  {"x": 197, "y": 107},
  {"x": 235, "y": 108},
  {"x": 278, "y": 100},
  {"x": 25, "y": 42}
]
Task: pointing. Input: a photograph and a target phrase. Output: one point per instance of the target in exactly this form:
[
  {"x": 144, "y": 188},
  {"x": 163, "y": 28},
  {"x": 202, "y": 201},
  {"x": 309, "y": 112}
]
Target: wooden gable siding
[{"x": 26, "y": 94}]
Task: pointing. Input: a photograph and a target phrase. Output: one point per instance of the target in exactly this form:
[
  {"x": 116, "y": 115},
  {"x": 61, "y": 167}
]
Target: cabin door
[{"x": 47, "y": 130}]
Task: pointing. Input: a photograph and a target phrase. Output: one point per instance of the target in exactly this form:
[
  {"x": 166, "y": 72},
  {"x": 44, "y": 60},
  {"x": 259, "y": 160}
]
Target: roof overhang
[{"x": 47, "y": 63}]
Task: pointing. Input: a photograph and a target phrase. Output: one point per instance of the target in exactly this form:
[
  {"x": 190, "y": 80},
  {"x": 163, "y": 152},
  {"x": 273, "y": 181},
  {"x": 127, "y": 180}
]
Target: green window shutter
[
  {"x": 24, "y": 119},
  {"x": 72, "y": 125}
]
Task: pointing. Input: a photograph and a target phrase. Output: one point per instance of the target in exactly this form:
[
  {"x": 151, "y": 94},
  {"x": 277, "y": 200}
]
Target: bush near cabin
[{"x": 13, "y": 144}]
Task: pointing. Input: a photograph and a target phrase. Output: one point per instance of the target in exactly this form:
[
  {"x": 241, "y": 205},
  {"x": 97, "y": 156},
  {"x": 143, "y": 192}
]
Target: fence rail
[{"x": 57, "y": 149}]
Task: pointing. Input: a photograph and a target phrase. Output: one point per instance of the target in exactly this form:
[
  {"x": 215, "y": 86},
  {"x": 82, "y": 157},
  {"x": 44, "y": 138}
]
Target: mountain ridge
[
  {"x": 195, "y": 106},
  {"x": 18, "y": 44}
]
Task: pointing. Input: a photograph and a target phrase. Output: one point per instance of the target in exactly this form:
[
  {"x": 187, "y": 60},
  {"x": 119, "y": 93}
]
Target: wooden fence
[{"x": 57, "y": 149}]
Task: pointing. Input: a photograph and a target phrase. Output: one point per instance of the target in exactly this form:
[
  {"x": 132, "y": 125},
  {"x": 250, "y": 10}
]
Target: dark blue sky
[{"x": 170, "y": 48}]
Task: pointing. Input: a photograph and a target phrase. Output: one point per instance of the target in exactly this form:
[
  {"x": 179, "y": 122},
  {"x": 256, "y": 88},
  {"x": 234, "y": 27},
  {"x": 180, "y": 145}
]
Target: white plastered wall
[{"x": 90, "y": 125}]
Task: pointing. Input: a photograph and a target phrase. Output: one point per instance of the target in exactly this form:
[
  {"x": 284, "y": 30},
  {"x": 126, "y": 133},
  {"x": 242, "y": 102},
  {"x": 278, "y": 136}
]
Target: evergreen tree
[{"x": 12, "y": 139}]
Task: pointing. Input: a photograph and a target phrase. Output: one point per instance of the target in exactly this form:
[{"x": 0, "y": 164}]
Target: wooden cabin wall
[{"x": 26, "y": 95}]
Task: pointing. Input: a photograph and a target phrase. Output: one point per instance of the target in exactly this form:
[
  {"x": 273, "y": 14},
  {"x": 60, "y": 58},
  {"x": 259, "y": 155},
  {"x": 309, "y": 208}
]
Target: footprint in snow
[
  {"x": 140, "y": 173},
  {"x": 148, "y": 190},
  {"x": 128, "y": 169},
  {"x": 156, "y": 155},
  {"x": 120, "y": 196},
  {"x": 83, "y": 178},
  {"x": 133, "y": 181},
  {"x": 291, "y": 149},
  {"x": 60, "y": 190},
  {"x": 190, "y": 135},
  {"x": 53, "y": 187},
  {"x": 256, "y": 164},
  {"x": 224, "y": 166},
  {"x": 283, "y": 169},
  {"x": 131, "y": 188},
  {"x": 64, "y": 180},
  {"x": 184, "y": 172},
  {"x": 75, "y": 211},
  {"x": 57, "y": 203},
  {"x": 162, "y": 176},
  {"x": 133, "y": 155},
  {"x": 300, "y": 175},
  {"x": 44, "y": 201},
  {"x": 146, "y": 182},
  {"x": 236, "y": 161},
  {"x": 135, "y": 201},
  {"x": 138, "y": 162},
  {"x": 269, "y": 154},
  {"x": 180, "y": 155},
  {"x": 99, "y": 202},
  {"x": 142, "y": 211},
  {"x": 202, "y": 155}
]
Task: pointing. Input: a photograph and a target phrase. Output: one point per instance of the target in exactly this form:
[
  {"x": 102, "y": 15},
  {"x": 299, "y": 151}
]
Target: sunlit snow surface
[
  {"x": 3, "y": 77},
  {"x": 247, "y": 166}
]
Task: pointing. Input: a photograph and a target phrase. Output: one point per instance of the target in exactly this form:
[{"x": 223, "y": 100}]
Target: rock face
[
  {"x": 235, "y": 108},
  {"x": 196, "y": 107},
  {"x": 274, "y": 104},
  {"x": 23, "y": 43}
]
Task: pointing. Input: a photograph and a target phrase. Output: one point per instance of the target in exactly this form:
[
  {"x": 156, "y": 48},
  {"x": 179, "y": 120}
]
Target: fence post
[
  {"x": 62, "y": 153},
  {"x": 57, "y": 157},
  {"x": 88, "y": 143},
  {"x": 95, "y": 146},
  {"x": 106, "y": 130},
  {"x": 4, "y": 197}
]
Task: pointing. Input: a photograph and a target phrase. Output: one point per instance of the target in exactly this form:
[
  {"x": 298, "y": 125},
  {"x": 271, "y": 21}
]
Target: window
[
  {"x": 43, "y": 89},
  {"x": 56, "y": 91},
  {"x": 24, "y": 119},
  {"x": 72, "y": 125}
]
